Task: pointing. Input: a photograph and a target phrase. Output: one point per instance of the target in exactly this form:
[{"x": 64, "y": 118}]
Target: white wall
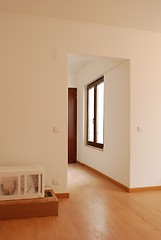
[
  {"x": 114, "y": 159},
  {"x": 33, "y": 91},
  {"x": 33, "y": 96},
  {"x": 72, "y": 79}
]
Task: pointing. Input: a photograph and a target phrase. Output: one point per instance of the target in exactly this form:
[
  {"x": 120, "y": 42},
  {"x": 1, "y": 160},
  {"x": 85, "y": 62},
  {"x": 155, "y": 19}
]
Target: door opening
[{"x": 72, "y": 125}]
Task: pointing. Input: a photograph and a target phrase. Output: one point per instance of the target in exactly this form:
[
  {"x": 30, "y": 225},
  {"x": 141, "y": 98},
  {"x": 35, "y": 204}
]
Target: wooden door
[{"x": 72, "y": 125}]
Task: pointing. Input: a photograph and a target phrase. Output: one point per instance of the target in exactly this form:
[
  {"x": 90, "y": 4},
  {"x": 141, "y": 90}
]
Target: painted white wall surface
[
  {"x": 33, "y": 92},
  {"x": 72, "y": 79},
  {"x": 114, "y": 159}
]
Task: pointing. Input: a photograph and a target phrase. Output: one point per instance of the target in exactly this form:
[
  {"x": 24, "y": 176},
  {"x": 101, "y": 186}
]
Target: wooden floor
[{"x": 96, "y": 210}]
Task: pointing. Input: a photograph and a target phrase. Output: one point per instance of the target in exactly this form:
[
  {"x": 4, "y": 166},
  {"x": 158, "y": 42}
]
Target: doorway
[{"x": 72, "y": 125}]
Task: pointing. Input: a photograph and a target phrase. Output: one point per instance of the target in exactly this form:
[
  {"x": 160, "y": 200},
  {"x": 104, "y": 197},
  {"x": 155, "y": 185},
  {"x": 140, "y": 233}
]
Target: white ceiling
[
  {"x": 78, "y": 62},
  {"x": 140, "y": 14}
]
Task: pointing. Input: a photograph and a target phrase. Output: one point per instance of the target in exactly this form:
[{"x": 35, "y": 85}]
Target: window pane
[
  {"x": 100, "y": 111},
  {"x": 91, "y": 114}
]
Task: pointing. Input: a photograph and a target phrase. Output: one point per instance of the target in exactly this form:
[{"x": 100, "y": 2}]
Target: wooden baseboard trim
[
  {"x": 105, "y": 176},
  {"x": 62, "y": 195},
  {"x": 144, "y": 189},
  {"x": 127, "y": 189}
]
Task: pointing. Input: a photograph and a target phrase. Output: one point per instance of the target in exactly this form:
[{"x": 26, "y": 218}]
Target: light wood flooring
[{"x": 96, "y": 210}]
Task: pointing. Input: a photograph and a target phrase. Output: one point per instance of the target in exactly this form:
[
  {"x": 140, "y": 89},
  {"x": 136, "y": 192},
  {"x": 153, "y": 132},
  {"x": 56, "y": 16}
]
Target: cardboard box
[{"x": 29, "y": 208}]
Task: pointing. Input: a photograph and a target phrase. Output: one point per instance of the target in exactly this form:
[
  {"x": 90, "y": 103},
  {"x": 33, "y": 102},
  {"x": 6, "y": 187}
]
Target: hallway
[{"x": 96, "y": 210}]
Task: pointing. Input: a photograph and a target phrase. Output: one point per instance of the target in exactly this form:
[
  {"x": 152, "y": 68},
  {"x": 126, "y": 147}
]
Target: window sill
[{"x": 95, "y": 148}]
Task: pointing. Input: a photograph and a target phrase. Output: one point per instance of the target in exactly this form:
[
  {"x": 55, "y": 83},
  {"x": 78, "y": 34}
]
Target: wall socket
[{"x": 55, "y": 182}]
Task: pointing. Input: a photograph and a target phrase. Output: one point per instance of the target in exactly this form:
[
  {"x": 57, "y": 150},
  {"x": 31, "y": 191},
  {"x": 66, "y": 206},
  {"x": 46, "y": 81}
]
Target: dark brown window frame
[{"x": 89, "y": 86}]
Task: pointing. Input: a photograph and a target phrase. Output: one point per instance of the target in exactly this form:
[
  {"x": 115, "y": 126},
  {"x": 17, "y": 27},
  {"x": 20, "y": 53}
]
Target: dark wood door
[{"x": 72, "y": 125}]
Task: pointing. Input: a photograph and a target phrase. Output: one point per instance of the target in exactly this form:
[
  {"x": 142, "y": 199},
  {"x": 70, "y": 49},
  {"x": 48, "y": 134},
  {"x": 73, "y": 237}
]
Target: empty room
[{"x": 109, "y": 54}]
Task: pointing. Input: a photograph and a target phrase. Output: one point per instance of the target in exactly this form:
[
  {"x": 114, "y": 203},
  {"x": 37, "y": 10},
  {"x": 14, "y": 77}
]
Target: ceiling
[
  {"x": 139, "y": 14},
  {"x": 78, "y": 62}
]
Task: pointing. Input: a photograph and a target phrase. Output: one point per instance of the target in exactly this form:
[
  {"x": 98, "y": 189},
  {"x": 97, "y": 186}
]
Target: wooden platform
[{"x": 28, "y": 208}]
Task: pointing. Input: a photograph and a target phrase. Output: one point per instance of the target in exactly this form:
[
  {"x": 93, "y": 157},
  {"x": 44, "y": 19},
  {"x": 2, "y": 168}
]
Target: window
[{"x": 95, "y": 113}]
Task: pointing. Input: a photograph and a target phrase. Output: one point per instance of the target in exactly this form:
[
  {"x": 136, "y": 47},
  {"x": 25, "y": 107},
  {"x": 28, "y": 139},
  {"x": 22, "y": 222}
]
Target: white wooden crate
[{"x": 21, "y": 182}]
